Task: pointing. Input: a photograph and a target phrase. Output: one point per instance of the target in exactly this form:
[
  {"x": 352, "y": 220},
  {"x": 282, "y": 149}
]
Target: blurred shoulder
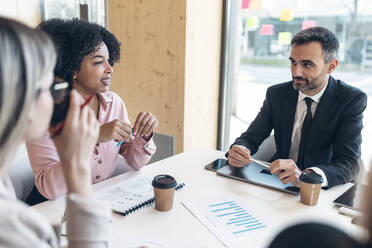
[{"x": 22, "y": 226}]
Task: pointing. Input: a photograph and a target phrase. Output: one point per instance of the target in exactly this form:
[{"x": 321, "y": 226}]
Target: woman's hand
[
  {"x": 75, "y": 145},
  {"x": 145, "y": 125},
  {"x": 115, "y": 130}
]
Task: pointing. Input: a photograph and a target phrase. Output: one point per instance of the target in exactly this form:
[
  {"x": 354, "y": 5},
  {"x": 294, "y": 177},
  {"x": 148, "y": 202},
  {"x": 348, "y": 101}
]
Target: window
[
  {"x": 68, "y": 9},
  {"x": 258, "y": 46}
]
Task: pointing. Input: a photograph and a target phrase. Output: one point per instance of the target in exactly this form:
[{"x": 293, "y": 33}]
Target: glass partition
[{"x": 260, "y": 32}]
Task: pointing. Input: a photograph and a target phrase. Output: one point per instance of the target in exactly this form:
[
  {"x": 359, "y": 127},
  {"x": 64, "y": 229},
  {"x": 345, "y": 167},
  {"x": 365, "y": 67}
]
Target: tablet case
[{"x": 257, "y": 174}]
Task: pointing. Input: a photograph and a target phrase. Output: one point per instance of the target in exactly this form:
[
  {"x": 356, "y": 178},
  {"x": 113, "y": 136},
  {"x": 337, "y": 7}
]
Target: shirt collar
[
  {"x": 315, "y": 98},
  {"x": 104, "y": 99}
]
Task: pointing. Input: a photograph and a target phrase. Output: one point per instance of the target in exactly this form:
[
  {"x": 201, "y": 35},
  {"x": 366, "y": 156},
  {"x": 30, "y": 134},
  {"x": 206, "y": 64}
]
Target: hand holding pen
[
  {"x": 143, "y": 127},
  {"x": 115, "y": 130},
  {"x": 123, "y": 141}
]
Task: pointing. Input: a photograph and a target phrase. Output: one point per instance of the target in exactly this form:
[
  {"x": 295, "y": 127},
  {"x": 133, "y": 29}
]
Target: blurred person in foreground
[{"x": 26, "y": 105}]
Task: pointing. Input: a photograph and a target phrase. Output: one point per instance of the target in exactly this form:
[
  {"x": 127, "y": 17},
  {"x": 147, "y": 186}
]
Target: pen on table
[
  {"x": 357, "y": 217},
  {"x": 121, "y": 142},
  {"x": 349, "y": 212}
]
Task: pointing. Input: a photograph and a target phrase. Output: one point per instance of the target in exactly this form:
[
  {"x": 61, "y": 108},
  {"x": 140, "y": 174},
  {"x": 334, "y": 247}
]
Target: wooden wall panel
[
  {"x": 170, "y": 64},
  {"x": 150, "y": 75},
  {"x": 203, "y": 35}
]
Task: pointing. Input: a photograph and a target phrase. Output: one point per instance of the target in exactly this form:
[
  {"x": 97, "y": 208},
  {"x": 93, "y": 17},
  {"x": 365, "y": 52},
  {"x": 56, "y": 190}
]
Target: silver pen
[{"x": 262, "y": 163}]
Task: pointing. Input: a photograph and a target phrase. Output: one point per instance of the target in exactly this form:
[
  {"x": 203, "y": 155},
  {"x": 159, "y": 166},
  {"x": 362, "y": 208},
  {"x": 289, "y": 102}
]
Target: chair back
[
  {"x": 266, "y": 150},
  {"x": 164, "y": 147},
  {"x": 20, "y": 173}
]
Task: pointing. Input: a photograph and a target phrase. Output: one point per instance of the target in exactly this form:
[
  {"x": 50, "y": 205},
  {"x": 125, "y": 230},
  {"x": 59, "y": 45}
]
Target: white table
[{"x": 181, "y": 226}]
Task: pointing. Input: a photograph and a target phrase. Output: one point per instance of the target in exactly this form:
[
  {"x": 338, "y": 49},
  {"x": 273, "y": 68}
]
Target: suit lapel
[
  {"x": 326, "y": 107},
  {"x": 288, "y": 111}
]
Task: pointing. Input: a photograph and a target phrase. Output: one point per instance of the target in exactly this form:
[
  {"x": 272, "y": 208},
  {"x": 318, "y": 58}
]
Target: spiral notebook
[{"x": 129, "y": 195}]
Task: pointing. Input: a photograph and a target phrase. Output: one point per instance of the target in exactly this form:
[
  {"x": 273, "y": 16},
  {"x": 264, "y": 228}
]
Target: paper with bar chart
[{"x": 228, "y": 220}]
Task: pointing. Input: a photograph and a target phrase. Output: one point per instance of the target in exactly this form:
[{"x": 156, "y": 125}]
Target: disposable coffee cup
[
  {"x": 310, "y": 184},
  {"x": 164, "y": 186}
]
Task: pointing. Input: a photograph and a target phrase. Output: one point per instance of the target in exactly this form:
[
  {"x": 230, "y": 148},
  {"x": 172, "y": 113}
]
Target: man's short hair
[{"x": 326, "y": 38}]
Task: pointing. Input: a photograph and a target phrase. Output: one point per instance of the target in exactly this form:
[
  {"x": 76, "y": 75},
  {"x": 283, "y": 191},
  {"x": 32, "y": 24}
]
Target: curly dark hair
[{"x": 74, "y": 39}]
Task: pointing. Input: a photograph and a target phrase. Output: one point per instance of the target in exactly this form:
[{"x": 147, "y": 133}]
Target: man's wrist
[{"x": 298, "y": 173}]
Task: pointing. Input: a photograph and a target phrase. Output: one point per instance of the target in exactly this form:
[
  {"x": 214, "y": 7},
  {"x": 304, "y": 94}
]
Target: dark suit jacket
[{"x": 335, "y": 134}]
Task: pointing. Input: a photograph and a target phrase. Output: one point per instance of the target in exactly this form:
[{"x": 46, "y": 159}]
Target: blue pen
[{"x": 121, "y": 142}]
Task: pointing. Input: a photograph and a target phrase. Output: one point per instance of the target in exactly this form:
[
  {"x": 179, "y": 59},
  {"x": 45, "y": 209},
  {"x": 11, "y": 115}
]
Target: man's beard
[{"x": 308, "y": 86}]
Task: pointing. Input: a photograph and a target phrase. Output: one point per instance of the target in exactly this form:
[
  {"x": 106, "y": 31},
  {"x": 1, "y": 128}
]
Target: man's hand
[
  {"x": 145, "y": 125},
  {"x": 287, "y": 171},
  {"x": 239, "y": 156},
  {"x": 115, "y": 130}
]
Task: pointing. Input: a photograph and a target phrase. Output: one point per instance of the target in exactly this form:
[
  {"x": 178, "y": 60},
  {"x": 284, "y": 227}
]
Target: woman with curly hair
[
  {"x": 86, "y": 54},
  {"x": 26, "y": 75}
]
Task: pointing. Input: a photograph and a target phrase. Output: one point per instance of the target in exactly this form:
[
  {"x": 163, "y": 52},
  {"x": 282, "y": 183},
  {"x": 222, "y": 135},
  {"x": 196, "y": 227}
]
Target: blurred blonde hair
[{"x": 27, "y": 56}]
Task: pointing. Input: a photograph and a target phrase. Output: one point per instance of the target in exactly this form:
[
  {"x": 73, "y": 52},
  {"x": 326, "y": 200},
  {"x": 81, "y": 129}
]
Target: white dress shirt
[{"x": 301, "y": 111}]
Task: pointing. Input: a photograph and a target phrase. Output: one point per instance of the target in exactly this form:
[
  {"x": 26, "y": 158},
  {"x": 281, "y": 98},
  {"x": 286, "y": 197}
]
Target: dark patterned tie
[{"x": 304, "y": 134}]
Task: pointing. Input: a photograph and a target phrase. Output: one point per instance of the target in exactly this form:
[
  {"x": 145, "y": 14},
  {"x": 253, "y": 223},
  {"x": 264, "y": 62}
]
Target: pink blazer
[{"x": 47, "y": 167}]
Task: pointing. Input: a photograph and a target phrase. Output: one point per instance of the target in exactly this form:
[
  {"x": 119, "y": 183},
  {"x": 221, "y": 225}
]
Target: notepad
[{"x": 129, "y": 195}]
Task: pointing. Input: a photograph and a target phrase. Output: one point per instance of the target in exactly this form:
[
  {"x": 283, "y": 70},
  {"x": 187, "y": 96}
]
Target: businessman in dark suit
[{"x": 317, "y": 120}]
